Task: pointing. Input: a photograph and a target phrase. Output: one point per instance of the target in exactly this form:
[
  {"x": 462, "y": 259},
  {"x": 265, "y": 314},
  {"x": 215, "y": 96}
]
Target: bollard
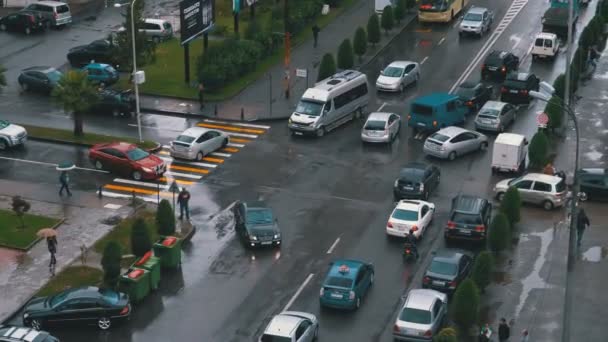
[
  {"x": 100, "y": 193},
  {"x": 242, "y": 114},
  {"x": 215, "y": 111}
]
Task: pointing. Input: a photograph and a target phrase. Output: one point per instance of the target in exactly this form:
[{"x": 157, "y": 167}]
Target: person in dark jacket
[
  {"x": 581, "y": 224},
  {"x": 182, "y": 199},
  {"x": 64, "y": 180},
  {"x": 315, "y": 34},
  {"x": 504, "y": 331},
  {"x": 51, "y": 243},
  {"x": 411, "y": 241}
]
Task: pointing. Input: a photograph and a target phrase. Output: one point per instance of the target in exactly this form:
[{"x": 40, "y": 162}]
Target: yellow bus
[{"x": 440, "y": 11}]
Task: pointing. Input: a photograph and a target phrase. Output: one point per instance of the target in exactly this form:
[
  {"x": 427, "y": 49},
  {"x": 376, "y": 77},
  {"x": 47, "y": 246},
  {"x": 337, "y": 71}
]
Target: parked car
[
  {"x": 448, "y": 268},
  {"x": 156, "y": 30},
  {"x": 546, "y": 45},
  {"x": 25, "y": 22},
  {"x": 495, "y": 116},
  {"x": 398, "y": 75},
  {"x": 422, "y": 315},
  {"x": 256, "y": 225},
  {"x": 197, "y": 142},
  {"x": 453, "y": 141},
  {"x": 409, "y": 215},
  {"x": 536, "y": 188},
  {"x": 469, "y": 218},
  {"x": 100, "y": 51},
  {"x": 594, "y": 183},
  {"x": 381, "y": 128},
  {"x": 127, "y": 160},
  {"x": 101, "y": 73},
  {"x": 474, "y": 95},
  {"x": 291, "y": 326},
  {"x": 346, "y": 283},
  {"x": 498, "y": 64},
  {"x": 11, "y": 135},
  {"x": 12, "y": 333},
  {"x": 517, "y": 87},
  {"x": 39, "y": 78},
  {"x": 416, "y": 180},
  {"x": 477, "y": 20},
  {"x": 115, "y": 102},
  {"x": 83, "y": 305},
  {"x": 56, "y": 12},
  {"x": 509, "y": 153}
]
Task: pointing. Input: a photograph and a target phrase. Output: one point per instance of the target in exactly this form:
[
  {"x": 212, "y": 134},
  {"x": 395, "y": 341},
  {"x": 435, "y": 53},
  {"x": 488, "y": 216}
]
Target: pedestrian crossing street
[{"x": 187, "y": 173}]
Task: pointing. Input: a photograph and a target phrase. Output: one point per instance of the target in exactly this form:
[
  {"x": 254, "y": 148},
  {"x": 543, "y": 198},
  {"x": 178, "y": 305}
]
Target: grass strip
[
  {"x": 13, "y": 235},
  {"x": 71, "y": 277}
]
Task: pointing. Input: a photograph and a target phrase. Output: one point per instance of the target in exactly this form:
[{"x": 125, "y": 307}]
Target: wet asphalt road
[{"x": 320, "y": 190}]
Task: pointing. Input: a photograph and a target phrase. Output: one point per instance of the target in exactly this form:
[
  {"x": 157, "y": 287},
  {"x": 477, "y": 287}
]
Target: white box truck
[
  {"x": 380, "y": 4},
  {"x": 509, "y": 154}
]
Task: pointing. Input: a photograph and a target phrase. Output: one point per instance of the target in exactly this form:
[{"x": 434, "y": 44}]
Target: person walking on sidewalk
[
  {"x": 182, "y": 199},
  {"x": 581, "y": 224},
  {"x": 201, "y": 93},
  {"x": 51, "y": 243},
  {"x": 504, "y": 331},
  {"x": 524, "y": 336},
  {"x": 64, "y": 180},
  {"x": 315, "y": 34}
]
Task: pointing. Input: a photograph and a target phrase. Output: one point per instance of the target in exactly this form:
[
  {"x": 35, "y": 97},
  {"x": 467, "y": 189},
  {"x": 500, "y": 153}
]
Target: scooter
[{"x": 409, "y": 253}]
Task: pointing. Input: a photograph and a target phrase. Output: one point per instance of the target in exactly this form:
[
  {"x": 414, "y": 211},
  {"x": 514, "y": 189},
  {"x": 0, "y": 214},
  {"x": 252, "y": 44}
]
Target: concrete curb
[
  {"x": 187, "y": 115},
  {"x": 155, "y": 149},
  {"x": 406, "y": 23}
]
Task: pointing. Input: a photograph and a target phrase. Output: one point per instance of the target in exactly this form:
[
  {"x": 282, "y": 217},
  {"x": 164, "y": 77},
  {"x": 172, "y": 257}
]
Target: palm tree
[
  {"x": 2, "y": 77},
  {"x": 77, "y": 94}
]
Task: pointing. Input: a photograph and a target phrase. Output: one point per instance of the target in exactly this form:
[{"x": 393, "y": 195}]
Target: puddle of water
[
  {"x": 595, "y": 254},
  {"x": 10, "y": 258}
]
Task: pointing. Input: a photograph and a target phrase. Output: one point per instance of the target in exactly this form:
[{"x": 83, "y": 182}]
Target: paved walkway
[{"x": 264, "y": 99}]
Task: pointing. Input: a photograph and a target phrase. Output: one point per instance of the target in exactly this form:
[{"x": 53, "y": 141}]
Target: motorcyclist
[{"x": 411, "y": 241}]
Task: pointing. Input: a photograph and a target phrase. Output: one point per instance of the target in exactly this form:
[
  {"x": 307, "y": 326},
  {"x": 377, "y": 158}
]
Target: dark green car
[
  {"x": 114, "y": 102},
  {"x": 256, "y": 225}
]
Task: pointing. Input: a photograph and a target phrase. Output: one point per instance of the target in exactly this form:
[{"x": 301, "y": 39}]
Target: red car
[{"x": 127, "y": 160}]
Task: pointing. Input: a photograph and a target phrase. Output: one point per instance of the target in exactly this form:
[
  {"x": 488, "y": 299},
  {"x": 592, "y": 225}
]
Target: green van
[{"x": 435, "y": 111}]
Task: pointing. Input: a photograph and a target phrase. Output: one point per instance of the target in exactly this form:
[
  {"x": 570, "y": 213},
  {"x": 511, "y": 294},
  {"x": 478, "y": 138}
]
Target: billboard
[{"x": 195, "y": 17}]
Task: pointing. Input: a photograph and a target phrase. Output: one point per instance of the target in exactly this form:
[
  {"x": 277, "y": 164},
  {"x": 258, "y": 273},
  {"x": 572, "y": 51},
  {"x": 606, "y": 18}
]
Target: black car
[
  {"x": 416, "y": 180},
  {"x": 447, "y": 270},
  {"x": 594, "y": 183},
  {"x": 99, "y": 51},
  {"x": 39, "y": 78},
  {"x": 115, "y": 102},
  {"x": 499, "y": 64},
  {"x": 256, "y": 224},
  {"x": 469, "y": 218},
  {"x": 474, "y": 95},
  {"x": 517, "y": 87},
  {"x": 84, "y": 305},
  {"x": 23, "y": 21},
  {"x": 11, "y": 333}
]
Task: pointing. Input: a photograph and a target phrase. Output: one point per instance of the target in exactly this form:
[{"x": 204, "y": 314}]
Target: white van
[
  {"x": 509, "y": 154},
  {"x": 380, "y": 4},
  {"x": 546, "y": 45},
  {"x": 57, "y": 13},
  {"x": 332, "y": 102}
]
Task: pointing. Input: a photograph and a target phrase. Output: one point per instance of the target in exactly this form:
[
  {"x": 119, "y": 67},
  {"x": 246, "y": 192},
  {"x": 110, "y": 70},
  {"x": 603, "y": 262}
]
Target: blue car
[
  {"x": 346, "y": 283},
  {"x": 101, "y": 73}
]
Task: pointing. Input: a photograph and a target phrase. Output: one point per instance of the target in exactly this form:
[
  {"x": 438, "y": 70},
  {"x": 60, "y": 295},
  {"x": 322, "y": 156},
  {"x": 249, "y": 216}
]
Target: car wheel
[
  {"x": 316, "y": 336},
  {"x": 548, "y": 205},
  {"x": 500, "y": 196},
  {"x": 320, "y": 131},
  {"x": 417, "y": 78},
  {"x": 3, "y": 144},
  {"x": 104, "y": 323},
  {"x": 115, "y": 112},
  {"x": 483, "y": 146},
  {"x": 156, "y": 40},
  {"x": 401, "y": 88},
  {"x": 225, "y": 143},
  {"x": 24, "y": 86},
  {"x": 136, "y": 175},
  {"x": 98, "y": 165},
  {"x": 3, "y": 27},
  {"x": 358, "y": 303},
  {"x": 371, "y": 279},
  {"x": 425, "y": 195},
  {"x": 200, "y": 155},
  {"x": 501, "y": 128},
  {"x": 28, "y": 31},
  {"x": 36, "y": 324},
  {"x": 452, "y": 155}
]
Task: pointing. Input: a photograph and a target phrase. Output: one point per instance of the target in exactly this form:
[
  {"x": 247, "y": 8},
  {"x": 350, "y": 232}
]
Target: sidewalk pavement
[{"x": 265, "y": 99}]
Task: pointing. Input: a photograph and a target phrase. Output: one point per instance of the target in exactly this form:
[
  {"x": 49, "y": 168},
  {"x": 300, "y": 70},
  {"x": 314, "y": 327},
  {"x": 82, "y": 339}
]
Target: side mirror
[{"x": 526, "y": 142}]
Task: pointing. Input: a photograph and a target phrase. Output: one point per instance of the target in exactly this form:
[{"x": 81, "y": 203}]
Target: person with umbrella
[
  {"x": 64, "y": 178},
  {"x": 51, "y": 242}
]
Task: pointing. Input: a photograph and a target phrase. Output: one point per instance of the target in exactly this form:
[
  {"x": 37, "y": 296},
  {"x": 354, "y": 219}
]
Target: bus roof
[
  {"x": 435, "y": 99},
  {"x": 325, "y": 88}
]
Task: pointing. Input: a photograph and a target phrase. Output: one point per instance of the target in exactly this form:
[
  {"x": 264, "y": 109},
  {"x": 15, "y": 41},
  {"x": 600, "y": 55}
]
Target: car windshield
[
  {"x": 393, "y": 72},
  {"x": 473, "y": 17},
  {"x": 405, "y": 215},
  {"x": 515, "y": 84},
  {"x": 4, "y": 124},
  {"x": 54, "y": 76},
  {"x": 439, "y": 137},
  {"x": 259, "y": 216},
  {"x": 273, "y": 338},
  {"x": 515, "y": 180},
  {"x": 494, "y": 60},
  {"x": 110, "y": 69},
  {"x": 467, "y": 93},
  {"x": 109, "y": 296},
  {"x": 185, "y": 139},
  {"x": 415, "y": 175},
  {"x": 137, "y": 154},
  {"x": 375, "y": 125},
  {"x": 339, "y": 282},
  {"x": 489, "y": 113},
  {"x": 441, "y": 267},
  {"x": 466, "y": 218},
  {"x": 415, "y": 316},
  {"x": 309, "y": 107},
  {"x": 58, "y": 298}
]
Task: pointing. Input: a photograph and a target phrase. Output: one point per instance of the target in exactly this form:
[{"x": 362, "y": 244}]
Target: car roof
[
  {"x": 353, "y": 267},
  {"x": 379, "y": 116},
  {"x": 155, "y": 21},
  {"x": 195, "y": 131},
  {"x": 509, "y": 139},
  {"x": 541, "y": 177},
  {"x": 594, "y": 171},
  {"x": 256, "y": 205},
  {"x": 97, "y": 65},
  {"x": 518, "y": 76},
  {"x": 452, "y": 131},
  {"x": 449, "y": 255},
  {"x": 409, "y": 205},
  {"x": 479, "y": 10},
  {"x": 415, "y": 165},
  {"x": 51, "y": 3},
  {"x": 468, "y": 203},
  {"x": 498, "y": 54},
  {"x": 43, "y": 69},
  {"x": 422, "y": 299},
  {"x": 435, "y": 99},
  {"x": 546, "y": 35},
  {"x": 16, "y": 333},
  {"x": 283, "y": 325},
  {"x": 401, "y": 64},
  {"x": 121, "y": 146},
  {"x": 494, "y": 105}
]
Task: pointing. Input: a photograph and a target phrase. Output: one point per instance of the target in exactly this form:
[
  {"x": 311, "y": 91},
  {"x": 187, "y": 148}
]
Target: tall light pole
[{"x": 567, "y": 84}]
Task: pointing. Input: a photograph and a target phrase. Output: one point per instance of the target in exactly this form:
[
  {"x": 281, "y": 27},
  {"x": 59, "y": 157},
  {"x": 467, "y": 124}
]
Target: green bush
[
  {"x": 387, "y": 21},
  {"x": 538, "y": 150},
  {"x": 500, "y": 234},
  {"x": 373, "y": 29},
  {"x": 140, "y": 239},
  {"x": 560, "y": 86},
  {"x": 446, "y": 335},
  {"x": 511, "y": 205},
  {"x": 554, "y": 112},
  {"x": 587, "y": 37},
  {"x": 409, "y": 4},
  {"x": 482, "y": 270},
  {"x": 110, "y": 262},
  {"x": 360, "y": 43},
  {"x": 399, "y": 11},
  {"x": 302, "y": 13},
  {"x": 345, "y": 55},
  {"x": 464, "y": 309},
  {"x": 165, "y": 218},
  {"x": 327, "y": 67}
]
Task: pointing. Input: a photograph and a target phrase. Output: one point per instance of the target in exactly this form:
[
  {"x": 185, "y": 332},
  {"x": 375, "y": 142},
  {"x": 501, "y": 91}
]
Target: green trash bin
[
  {"x": 169, "y": 250},
  {"x": 136, "y": 283},
  {"x": 152, "y": 264}
]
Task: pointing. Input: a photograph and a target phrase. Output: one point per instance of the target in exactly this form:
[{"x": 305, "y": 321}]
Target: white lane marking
[
  {"x": 187, "y": 162},
  {"x": 516, "y": 43},
  {"x": 300, "y": 289},
  {"x": 51, "y": 164},
  {"x": 117, "y": 195},
  {"x": 112, "y": 206},
  {"x": 183, "y": 175},
  {"x": 158, "y": 128},
  {"x": 424, "y": 60},
  {"x": 219, "y": 154},
  {"x": 149, "y": 185},
  {"x": 382, "y": 106},
  {"x": 441, "y": 41},
  {"x": 331, "y": 249},
  {"x": 252, "y": 136},
  {"x": 236, "y": 145},
  {"x": 237, "y": 124}
]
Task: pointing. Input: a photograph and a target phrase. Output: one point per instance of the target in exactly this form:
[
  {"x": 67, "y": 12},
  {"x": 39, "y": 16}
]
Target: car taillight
[
  {"x": 434, "y": 123},
  {"x": 389, "y": 224},
  {"x": 480, "y": 228},
  {"x": 470, "y": 103},
  {"x": 55, "y": 15},
  {"x": 31, "y": 19},
  {"x": 426, "y": 280},
  {"x": 428, "y": 333},
  {"x": 451, "y": 225},
  {"x": 421, "y": 186},
  {"x": 322, "y": 292},
  {"x": 351, "y": 295},
  {"x": 483, "y": 66},
  {"x": 414, "y": 228},
  {"x": 407, "y": 251},
  {"x": 525, "y": 92},
  {"x": 409, "y": 117},
  {"x": 503, "y": 90},
  {"x": 503, "y": 69},
  {"x": 124, "y": 310},
  {"x": 453, "y": 284}
]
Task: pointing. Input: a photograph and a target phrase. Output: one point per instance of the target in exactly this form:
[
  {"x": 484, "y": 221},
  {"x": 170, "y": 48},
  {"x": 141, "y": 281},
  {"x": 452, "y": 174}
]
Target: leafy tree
[
  {"x": 560, "y": 86},
  {"x": 110, "y": 262},
  {"x": 140, "y": 238},
  {"x": 373, "y": 29},
  {"x": 539, "y": 150},
  {"x": 446, "y": 335},
  {"x": 399, "y": 11},
  {"x": 327, "y": 67},
  {"x": 500, "y": 234},
  {"x": 165, "y": 218},
  {"x": 587, "y": 37},
  {"x": 77, "y": 95},
  {"x": 387, "y": 21},
  {"x": 409, "y": 4},
  {"x": 345, "y": 55},
  {"x": 2, "y": 77},
  {"x": 511, "y": 205},
  {"x": 465, "y": 305},
  {"x": 360, "y": 43},
  {"x": 122, "y": 42},
  {"x": 20, "y": 207},
  {"x": 554, "y": 112},
  {"x": 482, "y": 270}
]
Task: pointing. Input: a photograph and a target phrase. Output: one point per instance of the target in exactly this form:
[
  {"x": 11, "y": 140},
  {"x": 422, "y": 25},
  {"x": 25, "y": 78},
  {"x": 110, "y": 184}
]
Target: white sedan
[
  {"x": 197, "y": 142},
  {"x": 410, "y": 214},
  {"x": 398, "y": 75}
]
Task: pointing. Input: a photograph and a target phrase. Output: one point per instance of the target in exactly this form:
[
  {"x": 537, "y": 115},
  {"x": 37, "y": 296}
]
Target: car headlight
[
  {"x": 396, "y": 183},
  {"x": 26, "y": 315},
  {"x": 289, "y": 121},
  {"x": 145, "y": 169},
  {"x": 276, "y": 236},
  {"x": 254, "y": 238}
]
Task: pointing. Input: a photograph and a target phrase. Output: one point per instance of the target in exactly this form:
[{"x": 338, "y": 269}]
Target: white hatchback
[
  {"x": 410, "y": 214},
  {"x": 197, "y": 142},
  {"x": 398, "y": 75}
]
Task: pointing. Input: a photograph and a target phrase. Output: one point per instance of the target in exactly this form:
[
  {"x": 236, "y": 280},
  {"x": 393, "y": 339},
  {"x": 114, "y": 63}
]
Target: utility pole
[{"x": 287, "y": 49}]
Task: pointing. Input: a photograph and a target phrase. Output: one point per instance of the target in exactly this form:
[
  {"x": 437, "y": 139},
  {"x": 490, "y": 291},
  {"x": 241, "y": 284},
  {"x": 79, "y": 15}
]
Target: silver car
[
  {"x": 11, "y": 135},
  {"x": 536, "y": 188},
  {"x": 477, "y": 21},
  {"x": 495, "y": 116},
  {"x": 197, "y": 142},
  {"x": 422, "y": 315},
  {"x": 292, "y": 326},
  {"x": 398, "y": 75},
  {"x": 451, "y": 142},
  {"x": 381, "y": 128}
]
